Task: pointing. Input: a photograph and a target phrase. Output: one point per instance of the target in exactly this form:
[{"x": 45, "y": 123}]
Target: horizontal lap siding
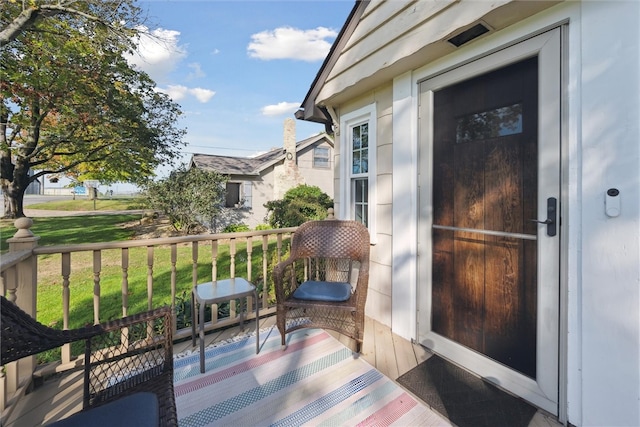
[{"x": 392, "y": 31}]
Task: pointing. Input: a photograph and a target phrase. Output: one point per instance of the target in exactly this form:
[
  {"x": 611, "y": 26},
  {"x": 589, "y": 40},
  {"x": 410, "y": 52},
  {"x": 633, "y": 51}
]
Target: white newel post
[
  {"x": 27, "y": 270},
  {"x": 26, "y": 283}
]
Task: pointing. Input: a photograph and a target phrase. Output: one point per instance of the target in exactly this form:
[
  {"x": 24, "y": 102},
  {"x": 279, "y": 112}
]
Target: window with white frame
[
  {"x": 358, "y": 177},
  {"x": 359, "y": 151}
]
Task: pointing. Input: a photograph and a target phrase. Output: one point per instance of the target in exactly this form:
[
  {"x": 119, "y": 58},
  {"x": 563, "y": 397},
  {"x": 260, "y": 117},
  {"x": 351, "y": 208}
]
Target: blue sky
[{"x": 238, "y": 68}]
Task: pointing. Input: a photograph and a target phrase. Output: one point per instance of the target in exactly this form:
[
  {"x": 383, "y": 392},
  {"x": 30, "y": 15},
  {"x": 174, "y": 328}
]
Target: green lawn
[
  {"x": 78, "y": 229},
  {"x": 84, "y": 204},
  {"x": 72, "y": 229}
]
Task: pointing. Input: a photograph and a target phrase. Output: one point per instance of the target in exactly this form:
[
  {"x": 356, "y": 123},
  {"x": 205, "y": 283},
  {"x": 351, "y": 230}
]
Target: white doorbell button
[{"x": 612, "y": 202}]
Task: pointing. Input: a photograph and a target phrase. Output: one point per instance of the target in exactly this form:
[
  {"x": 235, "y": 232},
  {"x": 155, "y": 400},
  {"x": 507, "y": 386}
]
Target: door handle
[
  {"x": 546, "y": 221},
  {"x": 550, "y": 222}
]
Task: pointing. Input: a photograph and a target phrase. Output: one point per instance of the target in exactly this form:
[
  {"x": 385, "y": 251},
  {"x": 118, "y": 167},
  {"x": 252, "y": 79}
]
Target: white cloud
[
  {"x": 197, "y": 71},
  {"x": 280, "y": 109},
  {"x": 292, "y": 43},
  {"x": 179, "y": 92},
  {"x": 158, "y": 52},
  {"x": 202, "y": 95}
]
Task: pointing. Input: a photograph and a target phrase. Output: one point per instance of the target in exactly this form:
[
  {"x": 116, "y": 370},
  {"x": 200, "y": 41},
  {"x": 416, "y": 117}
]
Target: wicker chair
[
  {"x": 323, "y": 283},
  {"x": 122, "y": 357}
]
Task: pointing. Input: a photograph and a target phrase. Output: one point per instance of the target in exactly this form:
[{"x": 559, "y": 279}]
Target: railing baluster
[
  {"x": 97, "y": 265},
  {"x": 124, "y": 289},
  {"x": 66, "y": 302},
  {"x": 232, "y": 255},
  {"x": 279, "y": 247},
  {"x": 214, "y": 277},
  {"x": 249, "y": 252},
  {"x": 265, "y": 269},
  {"x": 125, "y": 281},
  {"x": 232, "y": 272},
  {"x": 194, "y": 258},
  {"x": 174, "y": 275},
  {"x": 150, "y": 277},
  {"x": 214, "y": 260}
]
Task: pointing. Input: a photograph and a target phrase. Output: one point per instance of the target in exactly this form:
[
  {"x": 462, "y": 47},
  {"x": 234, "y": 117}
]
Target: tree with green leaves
[
  {"x": 71, "y": 103},
  {"x": 300, "y": 204},
  {"x": 190, "y": 198}
]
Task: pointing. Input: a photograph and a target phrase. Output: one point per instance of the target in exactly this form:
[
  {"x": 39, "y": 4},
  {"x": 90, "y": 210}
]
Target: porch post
[
  {"x": 26, "y": 278},
  {"x": 20, "y": 286}
]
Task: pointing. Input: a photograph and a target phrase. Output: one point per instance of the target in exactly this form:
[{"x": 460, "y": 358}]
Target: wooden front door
[
  {"x": 484, "y": 195},
  {"x": 489, "y": 221}
]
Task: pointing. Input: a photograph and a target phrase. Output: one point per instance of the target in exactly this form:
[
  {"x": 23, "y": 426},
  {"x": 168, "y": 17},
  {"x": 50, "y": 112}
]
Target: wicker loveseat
[
  {"x": 124, "y": 357},
  {"x": 324, "y": 281}
]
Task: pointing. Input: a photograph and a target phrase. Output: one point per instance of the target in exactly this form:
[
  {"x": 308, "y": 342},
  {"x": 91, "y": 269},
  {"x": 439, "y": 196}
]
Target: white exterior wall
[
  {"x": 608, "y": 285},
  {"x": 601, "y": 260},
  {"x": 600, "y": 277},
  {"x": 378, "y": 304}
]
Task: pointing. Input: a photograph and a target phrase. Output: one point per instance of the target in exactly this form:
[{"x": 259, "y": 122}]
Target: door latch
[{"x": 552, "y": 207}]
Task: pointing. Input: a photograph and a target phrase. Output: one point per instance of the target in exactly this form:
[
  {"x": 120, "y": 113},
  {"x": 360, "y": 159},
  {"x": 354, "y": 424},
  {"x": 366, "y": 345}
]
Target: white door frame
[{"x": 542, "y": 392}]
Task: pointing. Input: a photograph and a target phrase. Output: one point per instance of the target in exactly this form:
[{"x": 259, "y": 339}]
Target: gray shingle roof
[{"x": 229, "y": 165}]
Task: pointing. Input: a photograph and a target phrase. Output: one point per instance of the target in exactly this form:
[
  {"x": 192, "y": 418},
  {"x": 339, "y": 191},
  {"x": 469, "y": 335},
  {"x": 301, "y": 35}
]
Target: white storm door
[{"x": 489, "y": 192}]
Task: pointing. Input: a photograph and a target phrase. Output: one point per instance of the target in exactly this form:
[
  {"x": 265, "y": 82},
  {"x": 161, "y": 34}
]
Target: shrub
[
  {"x": 236, "y": 228},
  {"x": 300, "y": 204},
  {"x": 189, "y": 197}
]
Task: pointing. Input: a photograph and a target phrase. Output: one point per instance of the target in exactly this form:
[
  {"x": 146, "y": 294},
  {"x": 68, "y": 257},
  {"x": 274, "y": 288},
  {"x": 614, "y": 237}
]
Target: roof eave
[{"x": 309, "y": 110}]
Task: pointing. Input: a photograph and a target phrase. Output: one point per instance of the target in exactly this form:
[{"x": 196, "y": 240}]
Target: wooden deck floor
[{"x": 61, "y": 396}]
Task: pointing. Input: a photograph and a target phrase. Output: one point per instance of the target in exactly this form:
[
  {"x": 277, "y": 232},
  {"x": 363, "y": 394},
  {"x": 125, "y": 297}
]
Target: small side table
[{"x": 216, "y": 292}]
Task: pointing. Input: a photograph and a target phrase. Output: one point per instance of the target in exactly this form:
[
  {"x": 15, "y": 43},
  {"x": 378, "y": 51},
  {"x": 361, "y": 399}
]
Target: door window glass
[{"x": 488, "y": 124}]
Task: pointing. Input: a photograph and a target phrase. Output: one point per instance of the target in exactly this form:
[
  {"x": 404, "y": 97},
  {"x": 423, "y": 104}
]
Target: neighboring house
[
  {"x": 253, "y": 181},
  {"x": 493, "y": 150}
]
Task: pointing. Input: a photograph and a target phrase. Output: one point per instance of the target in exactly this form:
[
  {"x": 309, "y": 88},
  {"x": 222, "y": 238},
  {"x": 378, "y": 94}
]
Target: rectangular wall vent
[{"x": 469, "y": 34}]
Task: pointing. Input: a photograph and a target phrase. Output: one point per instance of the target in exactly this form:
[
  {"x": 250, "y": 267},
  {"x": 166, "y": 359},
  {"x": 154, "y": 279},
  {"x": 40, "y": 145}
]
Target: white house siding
[
  {"x": 387, "y": 34},
  {"x": 391, "y": 38},
  {"x": 601, "y": 150},
  {"x": 380, "y": 285},
  {"x": 608, "y": 281}
]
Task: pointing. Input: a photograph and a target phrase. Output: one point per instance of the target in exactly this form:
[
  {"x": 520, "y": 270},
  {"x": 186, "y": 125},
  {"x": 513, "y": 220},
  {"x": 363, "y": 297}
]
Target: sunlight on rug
[{"x": 315, "y": 381}]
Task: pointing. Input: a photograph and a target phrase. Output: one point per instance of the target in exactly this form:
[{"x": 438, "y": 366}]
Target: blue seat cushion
[
  {"x": 136, "y": 410},
  {"x": 323, "y": 291}
]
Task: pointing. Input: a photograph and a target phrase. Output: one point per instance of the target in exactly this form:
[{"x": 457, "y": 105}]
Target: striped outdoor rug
[{"x": 315, "y": 381}]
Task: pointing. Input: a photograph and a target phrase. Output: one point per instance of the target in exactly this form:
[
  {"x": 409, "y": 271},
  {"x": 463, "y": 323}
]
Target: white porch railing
[{"x": 19, "y": 283}]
